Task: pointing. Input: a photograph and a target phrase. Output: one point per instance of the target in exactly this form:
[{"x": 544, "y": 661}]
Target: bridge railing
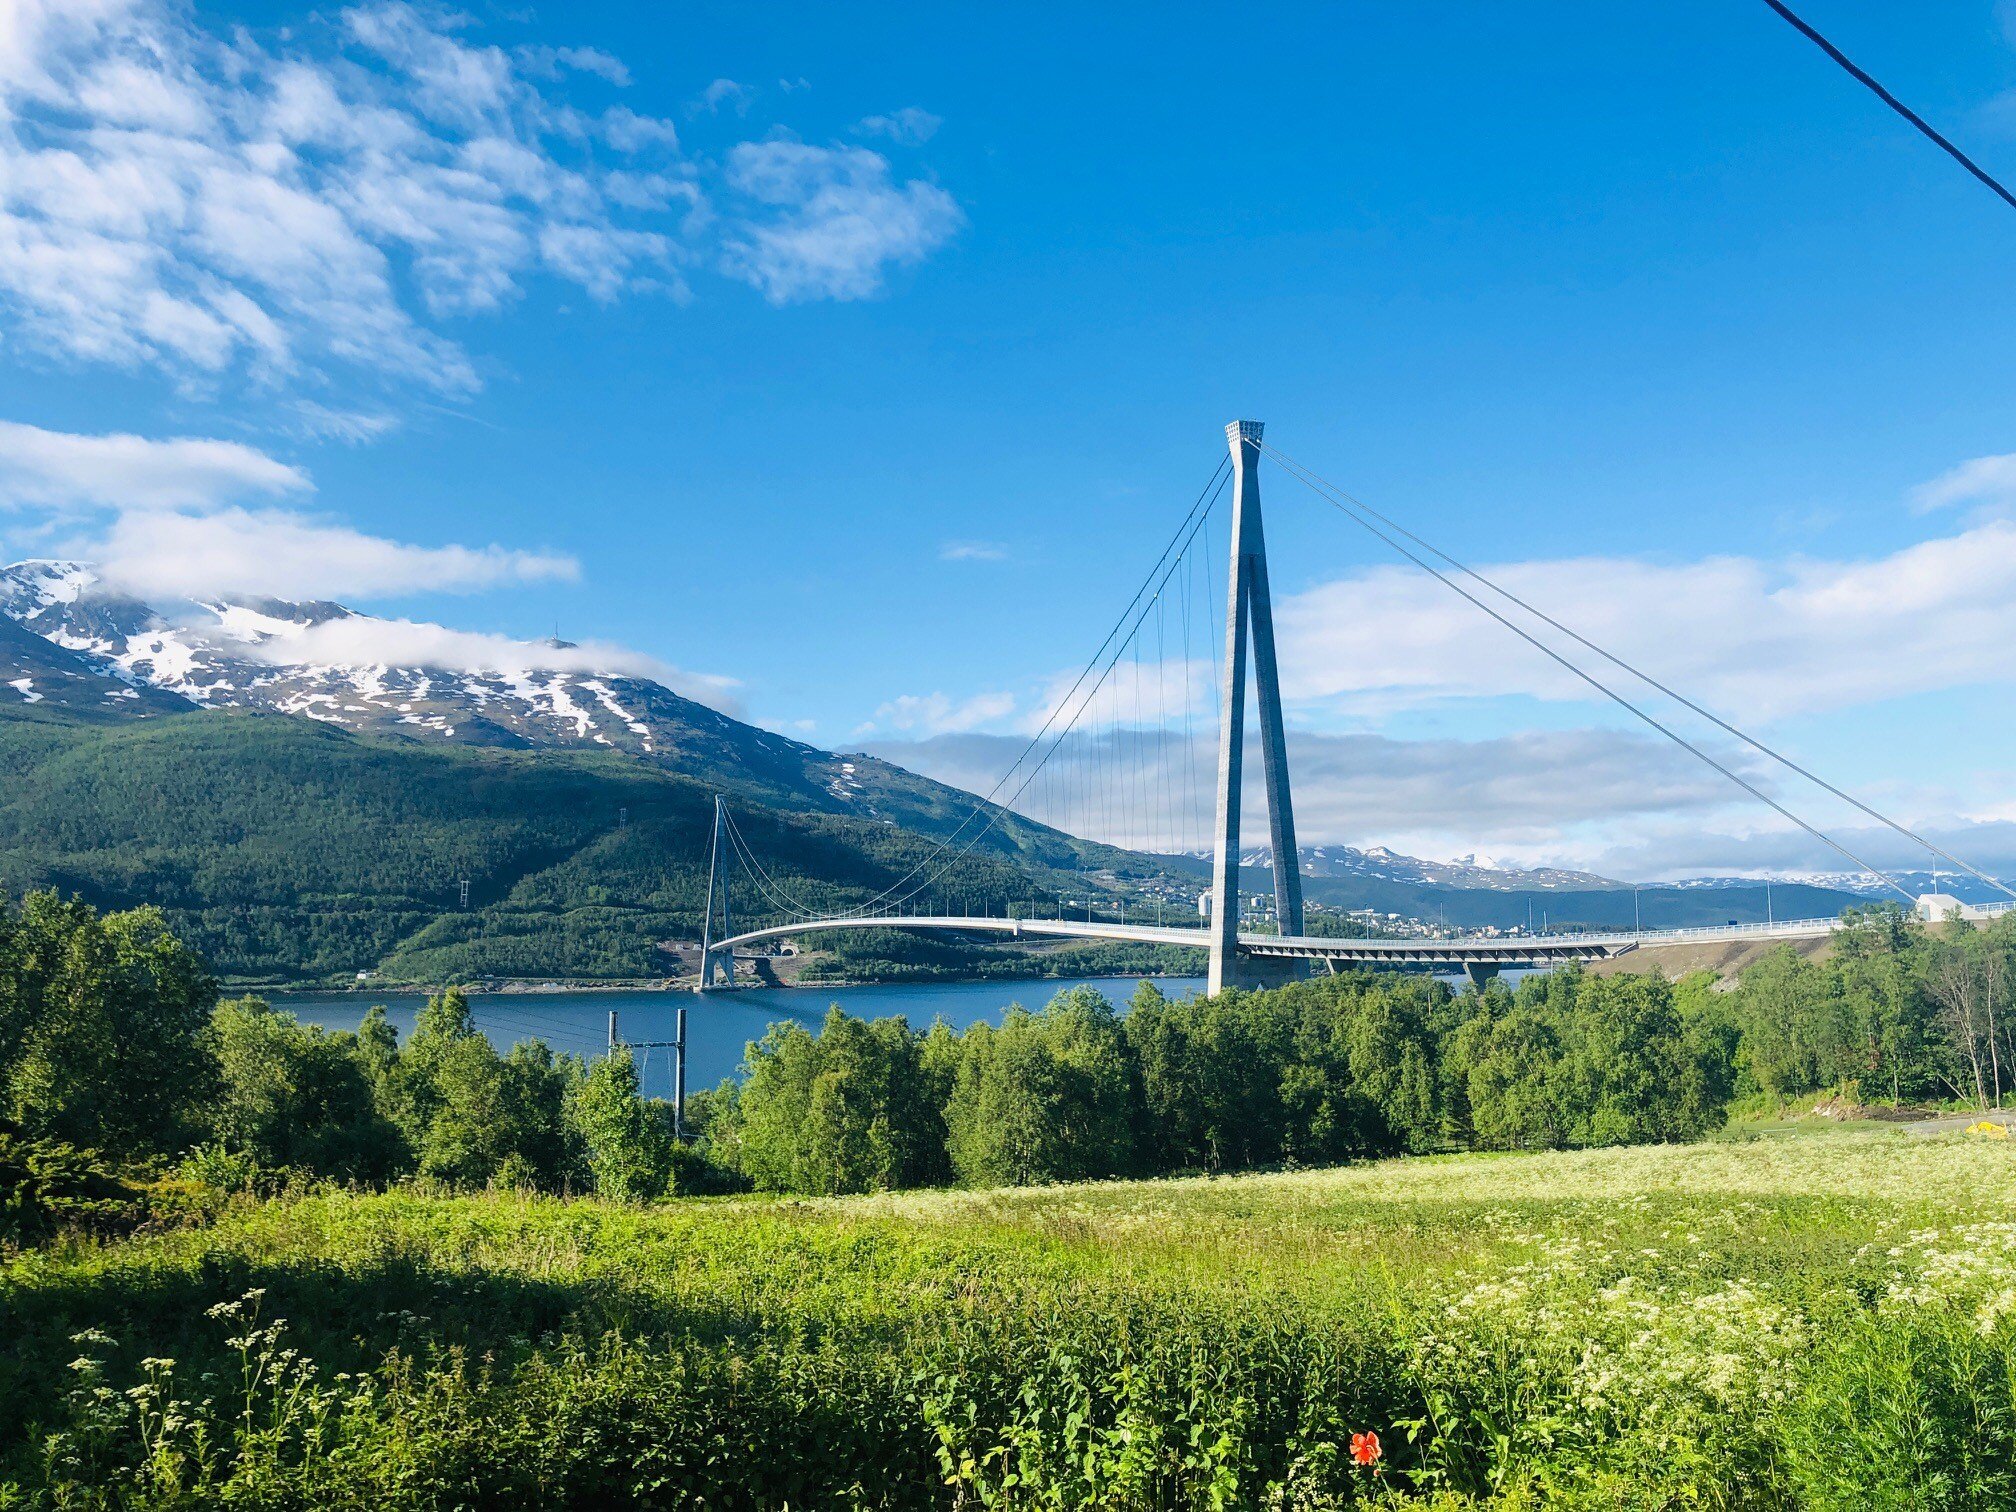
[{"x": 1728, "y": 931}]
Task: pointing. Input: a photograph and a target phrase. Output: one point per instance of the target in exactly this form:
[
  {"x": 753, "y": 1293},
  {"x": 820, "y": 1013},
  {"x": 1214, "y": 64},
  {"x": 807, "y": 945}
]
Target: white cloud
[
  {"x": 908, "y": 127},
  {"x": 832, "y": 220},
  {"x": 322, "y": 422},
  {"x": 188, "y": 517},
  {"x": 238, "y": 551},
  {"x": 366, "y": 641},
  {"x": 284, "y": 207},
  {"x": 627, "y": 131},
  {"x": 1984, "y": 482},
  {"x": 551, "y": 62},
  {"x": 1544, "y": 794},
  {"x": 1134, "y": 693},
  {"x": 972, "y": 551},
  {"x": 1754, "y": 640},
  {"x": 725, "y": 94},
  {"x": 55, "y": 469},
  {"x": 935, "y": 714}
]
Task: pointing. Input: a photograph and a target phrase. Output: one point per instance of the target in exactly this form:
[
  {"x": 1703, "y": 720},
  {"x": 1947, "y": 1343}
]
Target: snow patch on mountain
[{"x": 271, "y": 654}]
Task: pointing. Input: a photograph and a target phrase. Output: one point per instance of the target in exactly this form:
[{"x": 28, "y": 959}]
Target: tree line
[
  {"x": 1898, "y": 1012},
  {"x": 113, "y": 1040},
  {"x": 1312, "y": 1073},
  {"x": 1363, "y": 1064},
  {"x": 114, "y": 1046}
]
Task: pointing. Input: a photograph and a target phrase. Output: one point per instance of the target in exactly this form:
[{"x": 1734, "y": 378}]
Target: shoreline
[{"x": 529, "y": 986}]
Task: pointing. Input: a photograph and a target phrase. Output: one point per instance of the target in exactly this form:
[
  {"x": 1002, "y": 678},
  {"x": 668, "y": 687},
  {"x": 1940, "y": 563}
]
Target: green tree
[
  {"x": 627, "y": 1147},
  {"x": 1050, "y": 1096},
  {"x": 291, "y": 1095},
  {"x": 469, "y": 1133},
  {"x": 1799, "y": 1033},
  {"x": 100, "y": 1027},
  {"x": 849, "y": 1110}
]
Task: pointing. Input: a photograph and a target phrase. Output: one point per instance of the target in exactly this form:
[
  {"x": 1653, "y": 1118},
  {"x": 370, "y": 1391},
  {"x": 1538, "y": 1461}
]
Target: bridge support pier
[
  {"x": 1249, "y": 610},
  {"x": 1481, "y": 973}
]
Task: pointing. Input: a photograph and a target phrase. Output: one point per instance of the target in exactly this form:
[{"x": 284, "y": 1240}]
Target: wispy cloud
[
  {"x": 285, "y": 554},
  {"x": 366, "y": 641},
  {"x": 829, "y": 222},
  {"x": 908, "y": 127},
  {"x": 1541, "y": 792},
  {"x": 972, "y": 551},
  {"x": 725, "y": 94},
  {"x": 278, "y": 207},
  {"x": 59, "y": 470},
  {"x": 1757, "y": 640},
  {"x": 552, "y": 62},
  {"x": 188, "y": 516},
  {"x": 935, "y": 714},
  {"x": 1984, "y": 482}
]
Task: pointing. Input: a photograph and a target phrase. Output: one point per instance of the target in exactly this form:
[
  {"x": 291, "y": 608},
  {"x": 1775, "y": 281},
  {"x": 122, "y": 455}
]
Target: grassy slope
[{"x": 1771, "y": 1323}]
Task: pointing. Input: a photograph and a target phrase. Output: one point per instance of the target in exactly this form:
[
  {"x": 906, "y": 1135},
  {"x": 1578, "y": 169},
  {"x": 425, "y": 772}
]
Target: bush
[{"x": 47, "y": 1186}]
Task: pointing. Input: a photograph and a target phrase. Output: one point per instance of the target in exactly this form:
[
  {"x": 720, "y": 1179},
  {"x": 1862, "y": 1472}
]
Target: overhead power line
[{"x": 1892, "y": 101}]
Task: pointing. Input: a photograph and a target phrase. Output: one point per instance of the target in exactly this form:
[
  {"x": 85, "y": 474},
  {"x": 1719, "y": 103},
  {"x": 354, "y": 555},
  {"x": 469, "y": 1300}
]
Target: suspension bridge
[{"x": 1118, "y": 756}]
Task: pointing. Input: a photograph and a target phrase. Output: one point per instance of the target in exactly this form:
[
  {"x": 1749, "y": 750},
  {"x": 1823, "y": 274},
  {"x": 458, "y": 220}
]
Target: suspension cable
[
  {"x": 1862, "y": 77},
  {"x": 1297, "y": 472},
  {"x": 1178, "y": 542},
  {"x": 1007, "y": 806},
  {"x": 1310, "y": 478}
]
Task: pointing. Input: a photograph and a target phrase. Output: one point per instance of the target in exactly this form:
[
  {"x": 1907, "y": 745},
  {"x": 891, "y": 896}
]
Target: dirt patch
[{"x": 1723, "y": 957}]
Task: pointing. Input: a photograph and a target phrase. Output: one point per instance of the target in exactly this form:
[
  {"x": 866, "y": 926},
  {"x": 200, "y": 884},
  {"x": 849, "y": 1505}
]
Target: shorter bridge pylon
[{"x": 717, "y": 962}]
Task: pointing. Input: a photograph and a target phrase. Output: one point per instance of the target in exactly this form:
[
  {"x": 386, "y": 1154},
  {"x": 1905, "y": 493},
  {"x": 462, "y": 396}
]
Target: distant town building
[{"x": 1937, "y": 907}]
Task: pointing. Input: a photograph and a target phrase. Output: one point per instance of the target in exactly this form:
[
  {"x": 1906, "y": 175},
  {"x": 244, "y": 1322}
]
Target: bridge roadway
[{"x": 1479, "y": 955}]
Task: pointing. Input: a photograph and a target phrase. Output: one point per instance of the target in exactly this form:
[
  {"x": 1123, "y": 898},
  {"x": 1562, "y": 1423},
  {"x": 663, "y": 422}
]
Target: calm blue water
[{"x": 718, "y": 1025}]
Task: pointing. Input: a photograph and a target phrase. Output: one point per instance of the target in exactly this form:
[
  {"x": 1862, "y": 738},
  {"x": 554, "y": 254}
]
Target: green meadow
[{"x": 1819, "y": 1321}]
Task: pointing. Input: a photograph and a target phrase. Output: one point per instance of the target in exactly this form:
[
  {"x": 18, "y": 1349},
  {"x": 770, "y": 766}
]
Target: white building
[{"x": 1936, "y": 908}]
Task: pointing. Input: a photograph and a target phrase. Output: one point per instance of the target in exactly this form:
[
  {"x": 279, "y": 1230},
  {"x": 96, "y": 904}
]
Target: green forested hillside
[{"x": 289, "y": 850}]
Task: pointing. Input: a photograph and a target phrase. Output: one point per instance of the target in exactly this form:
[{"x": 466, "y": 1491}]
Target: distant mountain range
[{"x": 1470, "y": 872}]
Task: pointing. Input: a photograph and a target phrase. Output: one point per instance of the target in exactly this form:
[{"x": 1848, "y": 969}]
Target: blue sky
[{"x": 716, "y": 332}]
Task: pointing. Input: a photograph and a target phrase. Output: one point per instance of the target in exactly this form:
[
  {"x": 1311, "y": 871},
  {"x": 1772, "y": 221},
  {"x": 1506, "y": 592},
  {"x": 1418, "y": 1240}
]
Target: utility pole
[
  {"x": 679, "y": 1075},
  {"x": 677, "y": 1045}
]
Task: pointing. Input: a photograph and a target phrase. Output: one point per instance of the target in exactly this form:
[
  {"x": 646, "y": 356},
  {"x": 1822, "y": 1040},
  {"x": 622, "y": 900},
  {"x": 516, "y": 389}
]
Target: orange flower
[{"x": 1365, "y": 1448}]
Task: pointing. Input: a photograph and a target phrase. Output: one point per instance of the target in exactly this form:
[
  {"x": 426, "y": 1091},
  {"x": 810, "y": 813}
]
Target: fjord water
[{"x": 718, "y": 1025}]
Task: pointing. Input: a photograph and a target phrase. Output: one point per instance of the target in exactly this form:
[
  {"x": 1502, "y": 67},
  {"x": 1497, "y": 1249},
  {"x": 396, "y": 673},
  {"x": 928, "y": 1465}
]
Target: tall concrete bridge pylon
[{"x": 1249, "y": 613}]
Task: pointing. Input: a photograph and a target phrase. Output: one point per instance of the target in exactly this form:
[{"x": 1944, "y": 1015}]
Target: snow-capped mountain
[
  {"x": 1473, "y": 872},
  {"x": 1958, "y": 884},
  {"x": 95, "y": 650}
]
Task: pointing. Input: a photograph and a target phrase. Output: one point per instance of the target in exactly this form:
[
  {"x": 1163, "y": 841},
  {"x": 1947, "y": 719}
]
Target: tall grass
[{"x": 1823, "y": 1323}]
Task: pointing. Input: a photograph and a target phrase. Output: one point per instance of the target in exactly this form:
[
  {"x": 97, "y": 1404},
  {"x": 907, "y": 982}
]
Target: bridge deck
[{"x": 1464, "y": 950}]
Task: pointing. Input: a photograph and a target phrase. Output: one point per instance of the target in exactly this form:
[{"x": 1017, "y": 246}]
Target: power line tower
[
  {"x": 713, "y": 962},
  {"x": 1249, "y": 613}
]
